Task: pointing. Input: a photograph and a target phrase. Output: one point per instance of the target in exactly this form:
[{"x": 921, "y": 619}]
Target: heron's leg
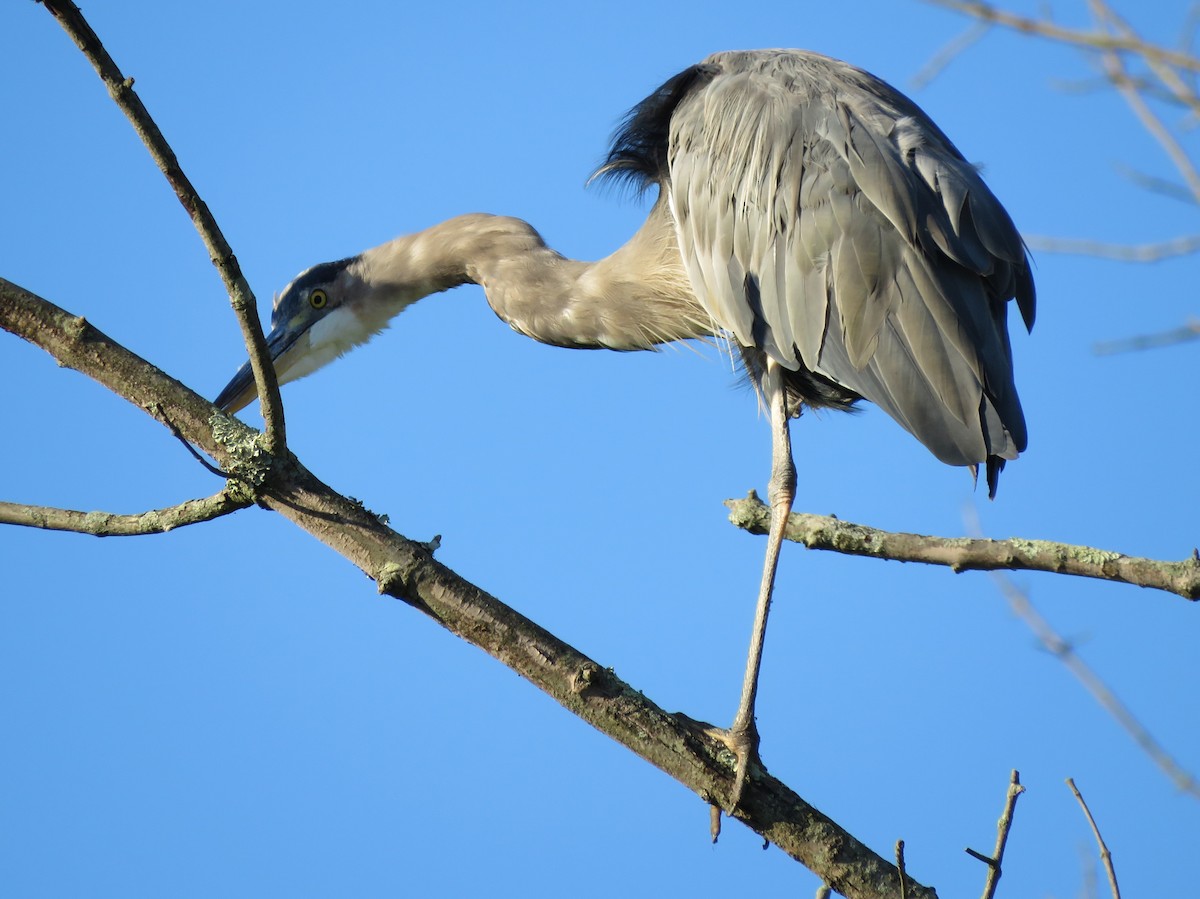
[{"x": 743, "y": 735}]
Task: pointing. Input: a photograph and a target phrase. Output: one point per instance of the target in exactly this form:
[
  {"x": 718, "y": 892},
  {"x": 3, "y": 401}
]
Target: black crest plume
[{"x": 638, "y": 154}]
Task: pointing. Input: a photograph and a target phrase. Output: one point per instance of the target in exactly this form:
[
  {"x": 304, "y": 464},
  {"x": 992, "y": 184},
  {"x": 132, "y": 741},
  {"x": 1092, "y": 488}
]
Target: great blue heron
[{"x": 807, "y": 211}]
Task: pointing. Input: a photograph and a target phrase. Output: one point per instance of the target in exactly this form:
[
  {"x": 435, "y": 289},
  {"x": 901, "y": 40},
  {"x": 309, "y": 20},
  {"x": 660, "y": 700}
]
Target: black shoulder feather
[{"x": 638, "y": 154}]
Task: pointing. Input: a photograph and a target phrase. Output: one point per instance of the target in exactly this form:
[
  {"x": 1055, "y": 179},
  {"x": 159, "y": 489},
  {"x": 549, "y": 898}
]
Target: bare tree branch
[
  {"x": 108, "y": 524},
  {"x": 1105, "y": 855},
  {"x": 1164, "y": 187},
  {"x": 1114, "y": 68},
  {"x": 685, "y": 749},
  {"x": 1144, "y": 252},
  {"x": 1095, "y": 40},
  {"x": 972, "y": 554},
  {"x": 1054, "y": 643},
  {"x": 1177, "y": 88},
  {"x": 1095, "y": 84},
  {"x": 1182, "y": 334},
  {"x": 1187, "y": 31},
  {"x": 995, "y": 861},
  {"x": 121, "y": 90},
  {"x": 951, "y": 51}
]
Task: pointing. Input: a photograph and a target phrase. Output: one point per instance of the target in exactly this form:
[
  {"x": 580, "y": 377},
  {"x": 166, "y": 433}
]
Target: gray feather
[{"x": 825, "y": 221}]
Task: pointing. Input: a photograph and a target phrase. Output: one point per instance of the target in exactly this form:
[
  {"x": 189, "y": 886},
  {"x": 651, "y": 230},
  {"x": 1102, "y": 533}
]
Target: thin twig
[
  {"x": 1120, "y": 252},
  {"x": 1182, "y": 334},
  {"x": 161, "y": 415},
  {"x": 995, "y": 861},
  {"x": 971, "y": 554},
  {"x": 1114, "y": 68},
  {"x": 1056, "y": 645},
  {"x": 1178, "y": 89},
  {"x": 948, "y": 53},
  {"x": 1061, "y": 649},
  {"x": 1164, "y": 187},
  {"x": 1187, "y": 31},
  {"x": 1095, "y": 84},
  {"x": 108, "y": 524},
  {"x": 1096, "y": 40},
  {"x": 121, "y": 90},
  {"x": 1105, "y": 855}
]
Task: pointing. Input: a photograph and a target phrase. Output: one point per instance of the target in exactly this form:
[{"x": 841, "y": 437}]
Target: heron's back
[{"x": 826, "y": 222}]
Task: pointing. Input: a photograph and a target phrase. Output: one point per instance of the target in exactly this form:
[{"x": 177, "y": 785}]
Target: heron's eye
[{"x": 318, "y": 298}]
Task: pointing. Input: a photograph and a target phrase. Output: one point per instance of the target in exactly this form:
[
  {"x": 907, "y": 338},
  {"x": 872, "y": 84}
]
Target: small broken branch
[
  {"x": 1003, "y": 826},
  {"x": 972, "y": 554}
]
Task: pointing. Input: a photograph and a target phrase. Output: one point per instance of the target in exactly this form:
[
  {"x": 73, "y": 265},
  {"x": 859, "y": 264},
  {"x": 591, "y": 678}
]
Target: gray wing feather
[{"x": 824, "y": 219}]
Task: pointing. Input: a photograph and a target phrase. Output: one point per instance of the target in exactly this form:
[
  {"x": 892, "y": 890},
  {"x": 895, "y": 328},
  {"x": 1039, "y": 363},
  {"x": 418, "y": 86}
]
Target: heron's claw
[{"x": 742, "y": 740}]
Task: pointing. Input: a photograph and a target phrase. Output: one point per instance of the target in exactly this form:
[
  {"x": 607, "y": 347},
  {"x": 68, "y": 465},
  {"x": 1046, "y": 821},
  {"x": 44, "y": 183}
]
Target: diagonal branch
[
  {"x": 108, "y": 524},
  {"x": 683, "y": 748},
  {"x": 121, "y": 90},
  {"x": 972, "y": 554},
  {"x": 1061, "y": 649}
]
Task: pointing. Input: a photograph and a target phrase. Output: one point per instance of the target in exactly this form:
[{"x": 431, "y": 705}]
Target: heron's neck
[{"x": 635, "y": 298}]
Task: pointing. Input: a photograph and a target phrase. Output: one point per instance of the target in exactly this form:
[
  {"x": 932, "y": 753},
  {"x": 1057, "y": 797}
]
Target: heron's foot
[{"x": 742, "y": 740}]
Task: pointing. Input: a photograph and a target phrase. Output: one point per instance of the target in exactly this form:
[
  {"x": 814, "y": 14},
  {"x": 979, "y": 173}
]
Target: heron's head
[{"x": 325, "y": 312}]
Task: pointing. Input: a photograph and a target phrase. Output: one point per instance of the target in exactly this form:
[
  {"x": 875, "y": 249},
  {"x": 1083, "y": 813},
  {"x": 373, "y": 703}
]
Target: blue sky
[{"x": 231, "y": 709}]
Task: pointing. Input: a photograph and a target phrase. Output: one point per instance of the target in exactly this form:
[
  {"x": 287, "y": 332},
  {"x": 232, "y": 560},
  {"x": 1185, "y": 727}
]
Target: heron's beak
[{"x": 286, "y": 344}]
